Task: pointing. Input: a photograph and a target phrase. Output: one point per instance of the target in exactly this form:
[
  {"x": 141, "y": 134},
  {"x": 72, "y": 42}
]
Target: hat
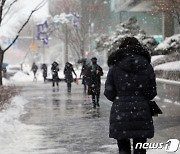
[
  {"x": 55, "y": 63},
  {"x": 94, "y": 58}
]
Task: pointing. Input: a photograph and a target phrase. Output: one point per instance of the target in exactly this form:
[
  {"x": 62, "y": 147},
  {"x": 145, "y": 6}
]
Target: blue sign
[{"x": 42, "y": 32}]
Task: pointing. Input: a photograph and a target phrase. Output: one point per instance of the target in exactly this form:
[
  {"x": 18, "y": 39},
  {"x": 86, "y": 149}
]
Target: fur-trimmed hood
[
  {"x": 121, "y": 53},
  {"x": 133, "y": 64}
]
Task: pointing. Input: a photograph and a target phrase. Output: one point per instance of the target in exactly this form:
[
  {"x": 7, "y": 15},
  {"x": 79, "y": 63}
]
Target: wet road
[
  {"x": 69, "y": 126},
  {"x": 167, "y": 125}
]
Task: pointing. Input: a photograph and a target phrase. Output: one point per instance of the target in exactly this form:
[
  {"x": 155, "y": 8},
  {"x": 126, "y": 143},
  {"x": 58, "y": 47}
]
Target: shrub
[{"x": 7, "y": 92}]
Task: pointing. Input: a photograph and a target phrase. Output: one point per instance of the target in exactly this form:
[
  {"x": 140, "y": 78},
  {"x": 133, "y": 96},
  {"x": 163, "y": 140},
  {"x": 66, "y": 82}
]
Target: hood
[
  {"x": 133, "y": 64},
  {"x": 121, "y": 53}
]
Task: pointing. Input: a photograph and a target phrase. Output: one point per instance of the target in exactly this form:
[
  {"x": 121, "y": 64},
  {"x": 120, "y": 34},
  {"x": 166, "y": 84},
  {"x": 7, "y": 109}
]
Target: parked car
[
  {"x": 12, "y": 69},
  {"x": 4, "y": 70}
]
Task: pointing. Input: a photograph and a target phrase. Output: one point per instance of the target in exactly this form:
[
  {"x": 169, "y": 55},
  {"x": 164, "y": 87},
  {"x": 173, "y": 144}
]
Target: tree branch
[
  {"x": 36, "y": 8},
  {"x": 1, "y": 10},
  {"x": 8, "y": 9}
]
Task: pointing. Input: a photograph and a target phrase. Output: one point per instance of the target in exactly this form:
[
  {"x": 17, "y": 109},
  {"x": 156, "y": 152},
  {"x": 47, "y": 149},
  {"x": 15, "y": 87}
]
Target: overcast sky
[{"x": 14, "y": 20}]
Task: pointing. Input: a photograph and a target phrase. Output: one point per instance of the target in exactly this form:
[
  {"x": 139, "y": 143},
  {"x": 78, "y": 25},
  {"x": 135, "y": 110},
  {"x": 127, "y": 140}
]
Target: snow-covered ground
[
  {"x": 19, "y": 138},
  {"x": 14, "y": 135},
  {"x": 6, "y": 82},
  {"x": 172, "y": 82},
  {"x": 21, "y": 77},
  {"x": 153, "y": 58},
  {"x": 28, "y": 76},
  {"x": 170, "y": 66}
]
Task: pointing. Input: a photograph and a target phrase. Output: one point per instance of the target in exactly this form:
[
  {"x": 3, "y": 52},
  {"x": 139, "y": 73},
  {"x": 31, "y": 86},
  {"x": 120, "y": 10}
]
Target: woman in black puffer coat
[
  {"x": 130, "y": 84},
  {"x": 68, "y": 72}
]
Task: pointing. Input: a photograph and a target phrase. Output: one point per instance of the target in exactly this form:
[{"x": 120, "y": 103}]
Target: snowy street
[
  {"x": 126, "y": 51},
  {"x": 54, "y": 122}
]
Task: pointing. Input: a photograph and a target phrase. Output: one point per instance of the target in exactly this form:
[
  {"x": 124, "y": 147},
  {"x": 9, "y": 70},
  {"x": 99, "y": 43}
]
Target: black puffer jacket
[
  {"x": 130, "y": 84},
  {"x": 68, "y": 70},
  {"x": 94, "y": 80}
]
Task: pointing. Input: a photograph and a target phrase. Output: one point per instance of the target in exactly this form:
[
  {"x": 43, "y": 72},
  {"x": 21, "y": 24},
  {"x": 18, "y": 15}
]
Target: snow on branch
[
  {"x": 169, "y": 6},
  {"x": 110, "y": 43},
  {"x": 8, "y": 8},
  {"x": 41, "y": 4},
  {"x": 1, "y": 10}
]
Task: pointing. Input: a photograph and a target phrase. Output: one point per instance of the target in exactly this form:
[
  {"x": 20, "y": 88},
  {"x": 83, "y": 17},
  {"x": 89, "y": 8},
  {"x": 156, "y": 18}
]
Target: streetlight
[{"x": 66, "y": 20}]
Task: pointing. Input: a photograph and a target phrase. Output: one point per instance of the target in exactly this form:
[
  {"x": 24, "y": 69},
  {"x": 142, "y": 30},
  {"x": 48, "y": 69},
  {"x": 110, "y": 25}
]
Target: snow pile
[
  {"x": 29, "y": 77},
  {"x": 13, "y": 133},
  {"x": 154, "y": 58},
  {"x": 171, "y": 66},
  {"x": 169, "y": 45},
  {"x": 5, "y": 81},
  {"x": 168, "y": 81},
  {"x": 9, "y": 119},
  {"x": 21, "y": 77}
]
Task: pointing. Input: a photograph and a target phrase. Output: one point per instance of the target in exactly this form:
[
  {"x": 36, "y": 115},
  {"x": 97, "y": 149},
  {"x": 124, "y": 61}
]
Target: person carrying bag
[{"x": 130, "y": 85}]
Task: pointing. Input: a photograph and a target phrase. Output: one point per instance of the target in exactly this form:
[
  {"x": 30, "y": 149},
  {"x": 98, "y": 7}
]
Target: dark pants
[
  {"x": 35, "y": 76},
  {"x": 124, "y": 146},
  {"x": 55, "y": 81},
  {"x": 44, "y": 78},
  {"x": 69, "y": 87},
  {"x": 85, "y": 88},
  {"x": 95, "y": 100},
  {"x": 85, "y": 83}
]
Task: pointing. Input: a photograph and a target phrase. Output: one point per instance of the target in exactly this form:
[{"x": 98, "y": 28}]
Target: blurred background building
[{"x": 96, "y": 17}]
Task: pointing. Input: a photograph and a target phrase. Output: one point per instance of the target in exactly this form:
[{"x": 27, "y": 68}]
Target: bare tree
[
  {"x": 74, "y": 38},
  {"x": 4, "y": 10},
  {"x": 168, "y": 6},
  {"x": 61, "y": 6},
  {"x": 92, "y": 12},
  {"x": 79, "y": 36},
  {"x": 170, "y": 10}
]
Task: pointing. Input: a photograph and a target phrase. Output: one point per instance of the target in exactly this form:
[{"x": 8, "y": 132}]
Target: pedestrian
[
  {"x": 55, "y": 77},
  {"x": 68, "y": 72},
  {"x": 94, "y": 83},
  {"x": 130, "y": 85},
  {"x": 44, "y": 68},
  {"x": 34, "y": 69},
  {"x": 84, "y": 74}
]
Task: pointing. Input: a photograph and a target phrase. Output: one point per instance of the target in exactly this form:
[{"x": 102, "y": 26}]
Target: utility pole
[
  {"x": 84, "y": 23},
  {"x": 43, "y": 53},
  {"x": 66, "y": 44}
]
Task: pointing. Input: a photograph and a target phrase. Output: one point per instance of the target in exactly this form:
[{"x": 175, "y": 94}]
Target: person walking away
[
  {"x": 84, "y": 74},
  {"x": 94, "y": 84},
  {"x": 130, "y": 85},
  {"x": 55, "y": 77},
  {"x": 44, "y": 68},
  {"x": 34, "y": 69},
  {"x": 68, "y": 72}
]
